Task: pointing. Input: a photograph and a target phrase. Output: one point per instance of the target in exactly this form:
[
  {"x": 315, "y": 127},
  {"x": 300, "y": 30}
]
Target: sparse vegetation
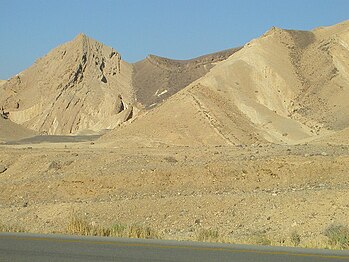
[
  {"x": 338, "y": 235},
  {"x": 11, "y": 228},
  {"x": 261, "y": 239},
  {"x": 80, "y": 226},
  {"x": 208, "y": 235},
  {"x": 295, "y": 238}
]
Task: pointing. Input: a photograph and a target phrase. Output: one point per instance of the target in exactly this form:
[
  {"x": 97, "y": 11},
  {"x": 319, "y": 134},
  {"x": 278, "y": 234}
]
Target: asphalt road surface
[{"x": 32, "y": 247}]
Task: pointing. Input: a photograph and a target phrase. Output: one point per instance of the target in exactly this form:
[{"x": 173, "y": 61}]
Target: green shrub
[
  {"x": 295, "y": 238},
  {"x": 338, "y": 235}
]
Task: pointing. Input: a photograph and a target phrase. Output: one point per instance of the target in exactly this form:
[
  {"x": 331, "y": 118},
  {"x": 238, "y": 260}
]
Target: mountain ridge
[
  {"x": 278, "y": 85},
  {"x": 287, "y": 86}
]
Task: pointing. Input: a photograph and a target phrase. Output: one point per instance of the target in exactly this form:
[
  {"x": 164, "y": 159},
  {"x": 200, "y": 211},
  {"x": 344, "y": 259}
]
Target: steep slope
[
  {"x": 292, "y": 85},
  {"x": 157, "y": 78},
  {"x": 260, "y": 81},
  {"x": 2, "y": 82},
  {"x": 284, "y": 87},
  {"x": 323, "y": 68},
  {"x": 80, "y": 86}
]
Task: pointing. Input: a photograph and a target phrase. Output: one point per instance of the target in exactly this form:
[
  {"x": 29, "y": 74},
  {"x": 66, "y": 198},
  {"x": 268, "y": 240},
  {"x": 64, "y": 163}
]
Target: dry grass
[
  {"x": 11, "y": 228},
  {"x": 262, "y": 240},
  {"x": 334, "y": 236},
  {"x": 80, "y": 226},
  {"x": 208, "y": 235}
]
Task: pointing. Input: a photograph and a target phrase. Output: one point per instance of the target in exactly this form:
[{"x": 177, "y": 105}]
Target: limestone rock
[{"x": 73, "y": 88}]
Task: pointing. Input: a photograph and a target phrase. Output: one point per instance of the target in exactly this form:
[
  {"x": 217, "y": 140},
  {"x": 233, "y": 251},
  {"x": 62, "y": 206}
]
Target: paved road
[{"x": 29, "y": 247}]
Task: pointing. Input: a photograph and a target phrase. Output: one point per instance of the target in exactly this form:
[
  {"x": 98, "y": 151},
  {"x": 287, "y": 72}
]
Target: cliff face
[{"x": 79, "y": 86}]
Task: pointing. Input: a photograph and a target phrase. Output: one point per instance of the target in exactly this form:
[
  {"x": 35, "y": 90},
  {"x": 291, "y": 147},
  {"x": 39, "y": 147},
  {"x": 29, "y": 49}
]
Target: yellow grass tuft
[{"x": 80, "y": 226}]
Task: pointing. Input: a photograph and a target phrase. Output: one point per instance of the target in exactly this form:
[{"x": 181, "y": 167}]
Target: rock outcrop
[{"x": 80, "y": 86}]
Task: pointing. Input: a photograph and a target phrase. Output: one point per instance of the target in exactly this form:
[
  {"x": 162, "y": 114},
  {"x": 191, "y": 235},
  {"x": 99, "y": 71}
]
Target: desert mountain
[
  {"x": 79, "y": 86},
  {"x": 83, "y": 86},
  {"x": 284, "y": 87}
]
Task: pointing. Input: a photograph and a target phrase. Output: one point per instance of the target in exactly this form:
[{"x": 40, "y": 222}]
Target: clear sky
[{"x": 179, "y": 29}]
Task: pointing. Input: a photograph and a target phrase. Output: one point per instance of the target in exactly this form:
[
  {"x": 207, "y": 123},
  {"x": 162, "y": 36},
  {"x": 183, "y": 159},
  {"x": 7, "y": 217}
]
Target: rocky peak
[
  {"x": 75, "y": 87},
  {"x": 274, "y": 31}
]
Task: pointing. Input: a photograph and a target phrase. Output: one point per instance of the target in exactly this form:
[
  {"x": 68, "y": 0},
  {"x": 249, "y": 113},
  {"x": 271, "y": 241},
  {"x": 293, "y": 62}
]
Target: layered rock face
[{"x": 81, "y": 86}]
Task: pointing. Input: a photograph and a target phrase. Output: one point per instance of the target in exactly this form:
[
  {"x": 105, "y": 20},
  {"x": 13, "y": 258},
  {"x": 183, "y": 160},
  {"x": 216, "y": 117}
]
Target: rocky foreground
[{"x": 256, "y": 194}]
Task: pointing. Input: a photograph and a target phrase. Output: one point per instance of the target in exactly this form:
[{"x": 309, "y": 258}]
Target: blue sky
[{"x": 178, "y": 29}]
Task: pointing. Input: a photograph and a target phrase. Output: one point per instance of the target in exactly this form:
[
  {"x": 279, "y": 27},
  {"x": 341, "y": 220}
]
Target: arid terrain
[{"x": 250, "y": 143}]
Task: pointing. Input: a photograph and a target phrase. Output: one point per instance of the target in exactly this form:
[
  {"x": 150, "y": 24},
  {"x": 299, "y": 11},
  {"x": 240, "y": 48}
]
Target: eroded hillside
[
  {"x": 157, "y": 78},
  {"x": 81, "y": 86},
  {"x": 284, "y": 87}
]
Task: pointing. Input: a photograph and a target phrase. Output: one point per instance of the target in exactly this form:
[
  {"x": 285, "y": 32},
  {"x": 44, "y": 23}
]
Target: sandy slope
[
  {"x": 12, "y": 131},
  {"x": 284, "y": 87},
  {"x": 194, "y": 116}
]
